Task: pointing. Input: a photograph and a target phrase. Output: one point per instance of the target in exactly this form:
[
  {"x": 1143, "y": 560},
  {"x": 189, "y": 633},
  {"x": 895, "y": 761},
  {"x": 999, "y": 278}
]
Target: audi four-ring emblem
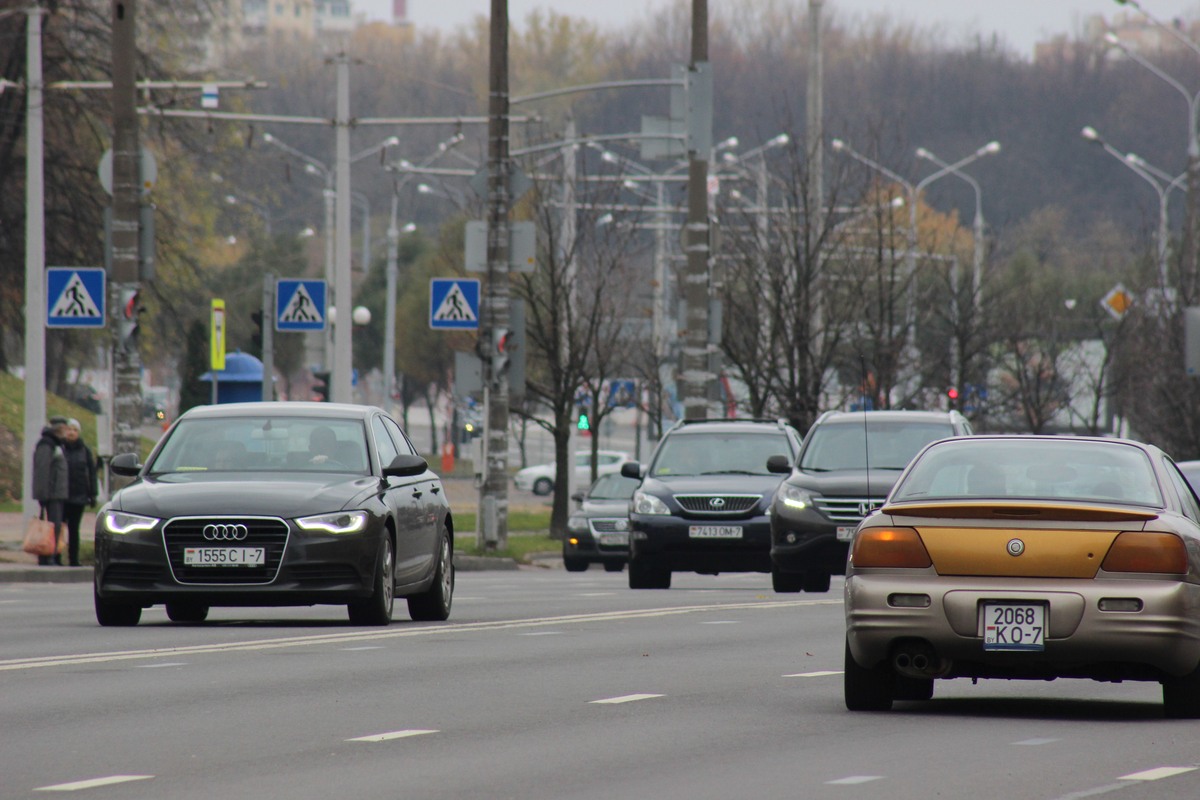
[{"x": 226, "y": 532}]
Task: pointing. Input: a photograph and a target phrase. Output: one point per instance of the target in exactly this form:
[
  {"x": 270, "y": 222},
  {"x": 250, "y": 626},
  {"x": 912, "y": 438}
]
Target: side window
[
  {"x": 1187, "y": 500},
  {"x": 383, "y": 442},
  {"x": 402, "y": 442},
  {"x": 583, "y": 460}
]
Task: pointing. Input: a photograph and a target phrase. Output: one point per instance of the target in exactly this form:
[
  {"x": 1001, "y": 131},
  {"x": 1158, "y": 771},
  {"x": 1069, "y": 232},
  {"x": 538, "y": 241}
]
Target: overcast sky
[{"x": 1020, "y": 23}]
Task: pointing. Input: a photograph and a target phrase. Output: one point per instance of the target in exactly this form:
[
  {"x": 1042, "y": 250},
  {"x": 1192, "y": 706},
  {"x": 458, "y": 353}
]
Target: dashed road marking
[
  {"x": 628, "y": 698},
  {"x": 1035, "y": 742},
  {"x": 721, "y": 622},
  {"x": 163, "y": 664},
  {"x": 364, "y": 647},
  {"x": 543, "y": 633},
  {"x": 387, "y": 737},
  {"x": 1158, "y": 773},
  {"x": 854, "y": 780},
  {"x": 819, "y": 674},
  {"x": 92, "y": 783}
]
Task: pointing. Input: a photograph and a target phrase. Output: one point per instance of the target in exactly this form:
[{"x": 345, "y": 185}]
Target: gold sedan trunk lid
[{"x": 1016, "y": 553}]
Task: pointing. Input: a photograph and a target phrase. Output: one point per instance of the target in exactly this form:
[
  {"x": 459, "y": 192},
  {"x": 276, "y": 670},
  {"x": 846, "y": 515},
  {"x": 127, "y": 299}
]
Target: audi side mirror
[
  {"x": 405, "y": 465},
  {"x": 126, "y": 465}
]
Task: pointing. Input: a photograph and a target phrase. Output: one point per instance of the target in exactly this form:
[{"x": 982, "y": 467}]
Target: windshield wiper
[{"x": 730, "y": 472}]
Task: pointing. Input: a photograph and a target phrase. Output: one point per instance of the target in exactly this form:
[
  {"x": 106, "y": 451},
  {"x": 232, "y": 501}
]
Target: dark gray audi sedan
[{"x": 276, "y": 504}]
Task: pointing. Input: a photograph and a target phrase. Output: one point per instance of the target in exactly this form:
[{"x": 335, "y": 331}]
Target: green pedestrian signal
[{"x": 583, "y": 423}]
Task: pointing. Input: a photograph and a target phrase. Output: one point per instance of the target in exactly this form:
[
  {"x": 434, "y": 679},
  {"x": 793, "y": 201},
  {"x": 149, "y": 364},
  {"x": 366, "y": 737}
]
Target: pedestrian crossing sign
[
  {"x": 454, "y": 304},
  {"x": 75, "y": 297},
  {"x": 299, "y": 305}
]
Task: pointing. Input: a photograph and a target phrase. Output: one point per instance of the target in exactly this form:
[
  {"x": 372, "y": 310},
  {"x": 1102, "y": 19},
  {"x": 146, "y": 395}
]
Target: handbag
[{"x": 39, "y": 538}]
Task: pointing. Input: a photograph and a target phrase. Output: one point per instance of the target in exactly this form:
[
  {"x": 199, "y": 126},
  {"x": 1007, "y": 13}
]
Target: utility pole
[
  {"x": 694, "y": 362},
  {"x": 815, "y": 122},
  {"x": 342, "y": 299},
  {"x": 493, "y": 499},
  {"x": 127, "y": 188},
  {"x": 35, "y": 259}
]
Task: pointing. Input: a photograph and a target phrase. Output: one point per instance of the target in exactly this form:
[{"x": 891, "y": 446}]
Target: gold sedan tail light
[
  {"x": 890, "y": 547},
  {"x": 1142, "y": 551}
]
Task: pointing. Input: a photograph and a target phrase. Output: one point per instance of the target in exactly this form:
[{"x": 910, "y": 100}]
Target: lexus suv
[
  {"x": 703, "y": 499},
  {"x": 847, "y": 466}
]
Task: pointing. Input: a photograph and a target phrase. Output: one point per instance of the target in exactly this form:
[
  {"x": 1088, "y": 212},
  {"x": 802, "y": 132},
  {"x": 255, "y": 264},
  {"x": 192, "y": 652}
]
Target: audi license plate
[
  {"x": 1014, "y": 626},
  {"x": 715, "y": 531},
  {"x": 614, "y": 539},
  {"x": 224, "y": 556}
]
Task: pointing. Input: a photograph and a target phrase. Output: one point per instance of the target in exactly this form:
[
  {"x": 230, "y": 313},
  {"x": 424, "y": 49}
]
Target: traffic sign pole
[{"x": 268, "y": 338}]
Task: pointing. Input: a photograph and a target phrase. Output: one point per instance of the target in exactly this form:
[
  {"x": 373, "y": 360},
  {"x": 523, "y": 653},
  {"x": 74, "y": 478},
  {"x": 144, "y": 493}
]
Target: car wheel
[
  {"x": 645, "y": 574},
  {"x": 377, "y": 609},
  {"x": 913, "y": 688},
  {"x": 816, "y": 581},
  {"x": 786, "y": 582},
  {"x": 575, "y": 564},
  {"x": 867, "y": 689},
  {"x": 543, "y": 486},
  {"x": 614, "y": 566},
  {"x": 111, "y": 614},
  {"x": 433, "y": 604},
  {"x": 187, "y": 612},
  {"x": 1181, "y": 696}
]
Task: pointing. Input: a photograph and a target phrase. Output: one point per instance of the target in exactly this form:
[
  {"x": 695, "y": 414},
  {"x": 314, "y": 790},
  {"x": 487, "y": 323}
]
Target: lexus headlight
[
  {"x": 794, "y": 497},
  {"x": 644, "y": 503},
  {"x": 339, "y": 522},
  {"x": 124, "y": 522}
]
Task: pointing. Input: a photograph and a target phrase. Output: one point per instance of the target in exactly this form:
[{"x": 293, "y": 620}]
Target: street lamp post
[{"x": 1162, "y": 184}]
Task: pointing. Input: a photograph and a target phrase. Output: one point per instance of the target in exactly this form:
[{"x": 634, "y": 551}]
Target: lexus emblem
[
  {"x": 717, "y": 502},
  {"x": 226, "y": 532},
  {"x": 1015, "y": 547}
]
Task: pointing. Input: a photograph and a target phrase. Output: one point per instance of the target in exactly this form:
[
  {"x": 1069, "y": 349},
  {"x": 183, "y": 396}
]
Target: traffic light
[
  {"x": 471, "y": 430},
  {"x": 321, "y": 387},
  {"x": 257, "y": 336},
  {"x": 583, "y": 423}
]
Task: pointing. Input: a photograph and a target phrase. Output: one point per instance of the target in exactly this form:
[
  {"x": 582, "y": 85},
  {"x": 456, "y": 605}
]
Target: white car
[{"x": 539, "y": 478}]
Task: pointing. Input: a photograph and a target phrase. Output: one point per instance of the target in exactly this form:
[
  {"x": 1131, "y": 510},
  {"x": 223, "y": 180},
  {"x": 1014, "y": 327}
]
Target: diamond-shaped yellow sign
[{"x": 1117, "y": 301}]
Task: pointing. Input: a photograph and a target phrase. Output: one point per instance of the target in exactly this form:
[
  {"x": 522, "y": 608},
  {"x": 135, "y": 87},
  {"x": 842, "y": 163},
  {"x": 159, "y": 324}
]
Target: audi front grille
[
  {"x": 181, "y": 533},
  {"x": 717, "y": 505}
]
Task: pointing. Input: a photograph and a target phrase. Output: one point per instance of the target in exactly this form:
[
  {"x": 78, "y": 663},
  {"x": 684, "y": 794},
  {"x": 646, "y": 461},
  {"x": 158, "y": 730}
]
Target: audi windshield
[{"x": 263, "y": 444}]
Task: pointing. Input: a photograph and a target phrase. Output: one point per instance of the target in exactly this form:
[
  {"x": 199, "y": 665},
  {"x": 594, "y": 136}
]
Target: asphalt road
[{"x": 543, "y": 684}]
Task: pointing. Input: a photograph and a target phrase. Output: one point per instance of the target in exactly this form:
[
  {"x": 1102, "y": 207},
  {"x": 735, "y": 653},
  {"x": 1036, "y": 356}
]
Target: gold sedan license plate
[
  {"x": 715, "y": 531},
  {"x": 224, "y": 556},
  {"x": 1014, "y": 626}
]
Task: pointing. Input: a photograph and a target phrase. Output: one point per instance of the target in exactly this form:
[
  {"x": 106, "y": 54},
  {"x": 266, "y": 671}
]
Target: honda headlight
[
  {"x": 645, "y": 503},
  {"x": 339, "y": 522},
  {"x": 794, "y": 497},
  {"x": 123, "y": 522}
]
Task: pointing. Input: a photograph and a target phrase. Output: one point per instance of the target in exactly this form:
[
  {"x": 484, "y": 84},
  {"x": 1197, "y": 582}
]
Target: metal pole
[
  {"x": 494, "y": 494},
  {"x": 695, "y": 374},
  {"x": 329, "y": 196},
  {"x": 35, "y": 259},
  {"x": 815, "y": 114},
  {"x": 268, "y": 337},
  {"x": 389, "y": 314},
  {"x": 569, "y": 233},
  {"x": 127, "y": 362},
  {"x": 342, "y": 300}
]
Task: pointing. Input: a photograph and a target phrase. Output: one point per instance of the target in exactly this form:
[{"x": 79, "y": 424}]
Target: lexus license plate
[
  {"x": 715, "y": 531},
  {"x": 224, "y": 556},
  {"x": 1014, "y": 626}
]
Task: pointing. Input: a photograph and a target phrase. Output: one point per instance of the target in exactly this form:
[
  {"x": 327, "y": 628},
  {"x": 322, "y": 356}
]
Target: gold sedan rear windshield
[{"x": 1032, "y": 469}]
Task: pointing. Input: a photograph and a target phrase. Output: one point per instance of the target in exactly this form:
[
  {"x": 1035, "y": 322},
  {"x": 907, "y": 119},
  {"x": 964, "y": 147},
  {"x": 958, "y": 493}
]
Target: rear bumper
[{"x": 1161, "y": 640}]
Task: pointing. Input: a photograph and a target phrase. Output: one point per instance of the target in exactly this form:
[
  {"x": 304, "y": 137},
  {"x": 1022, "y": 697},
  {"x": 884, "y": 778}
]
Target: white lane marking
[
  {"x": 1158, "y": 773},
  {"x": 387, "y": 737},
  {"x": 628, "y": 698},
  {"x": 163, "y": 664},
  {"x": 596, "y": 594},
  {"x": 854, "y": 780},
  {"x": 351, "y": 637},
  {"x": 543, "y": 633},
  {"x": 1035, "y": 742},
  {"x": 364, "y": 647},
  {"x": 819, "y": 674},
  {"x": 92, "y": 783},
  {"x": 721, "y": 622}
]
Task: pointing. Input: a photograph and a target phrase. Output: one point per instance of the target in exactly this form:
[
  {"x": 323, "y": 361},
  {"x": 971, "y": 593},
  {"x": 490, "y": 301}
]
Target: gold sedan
[{"x": 1022, "y": 557}]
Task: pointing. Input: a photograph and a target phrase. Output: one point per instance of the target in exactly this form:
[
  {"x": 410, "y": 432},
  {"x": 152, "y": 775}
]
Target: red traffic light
[{"x": 952, "y": 393}]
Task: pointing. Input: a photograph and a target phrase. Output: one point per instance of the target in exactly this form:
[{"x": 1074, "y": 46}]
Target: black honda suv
[
  {"x": 702, "y": 505},
  {"x": 848, "y": 463}
]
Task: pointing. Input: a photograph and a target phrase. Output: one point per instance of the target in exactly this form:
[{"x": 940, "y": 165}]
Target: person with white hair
[{"x": 82, "y": 486}]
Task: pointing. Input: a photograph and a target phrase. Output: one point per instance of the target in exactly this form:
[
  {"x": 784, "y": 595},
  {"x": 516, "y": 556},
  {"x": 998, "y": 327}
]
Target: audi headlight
[
  {"x": 123, "y": 522},
  {"x": 795, "y": 498},
  {"x": 339, "y": 522},
  {"x": 644, "y": 503}
]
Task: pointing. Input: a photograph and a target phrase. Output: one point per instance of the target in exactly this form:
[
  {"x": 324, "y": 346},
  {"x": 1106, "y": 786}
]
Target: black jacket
[
  {"x": 82, "y": 486},
  {"x": 49, "y": 468}
]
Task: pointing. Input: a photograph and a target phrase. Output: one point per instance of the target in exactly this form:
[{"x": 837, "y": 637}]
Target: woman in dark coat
[
  {"x": 50, "y": 479},
  {"x": 82, "y": 486}
]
